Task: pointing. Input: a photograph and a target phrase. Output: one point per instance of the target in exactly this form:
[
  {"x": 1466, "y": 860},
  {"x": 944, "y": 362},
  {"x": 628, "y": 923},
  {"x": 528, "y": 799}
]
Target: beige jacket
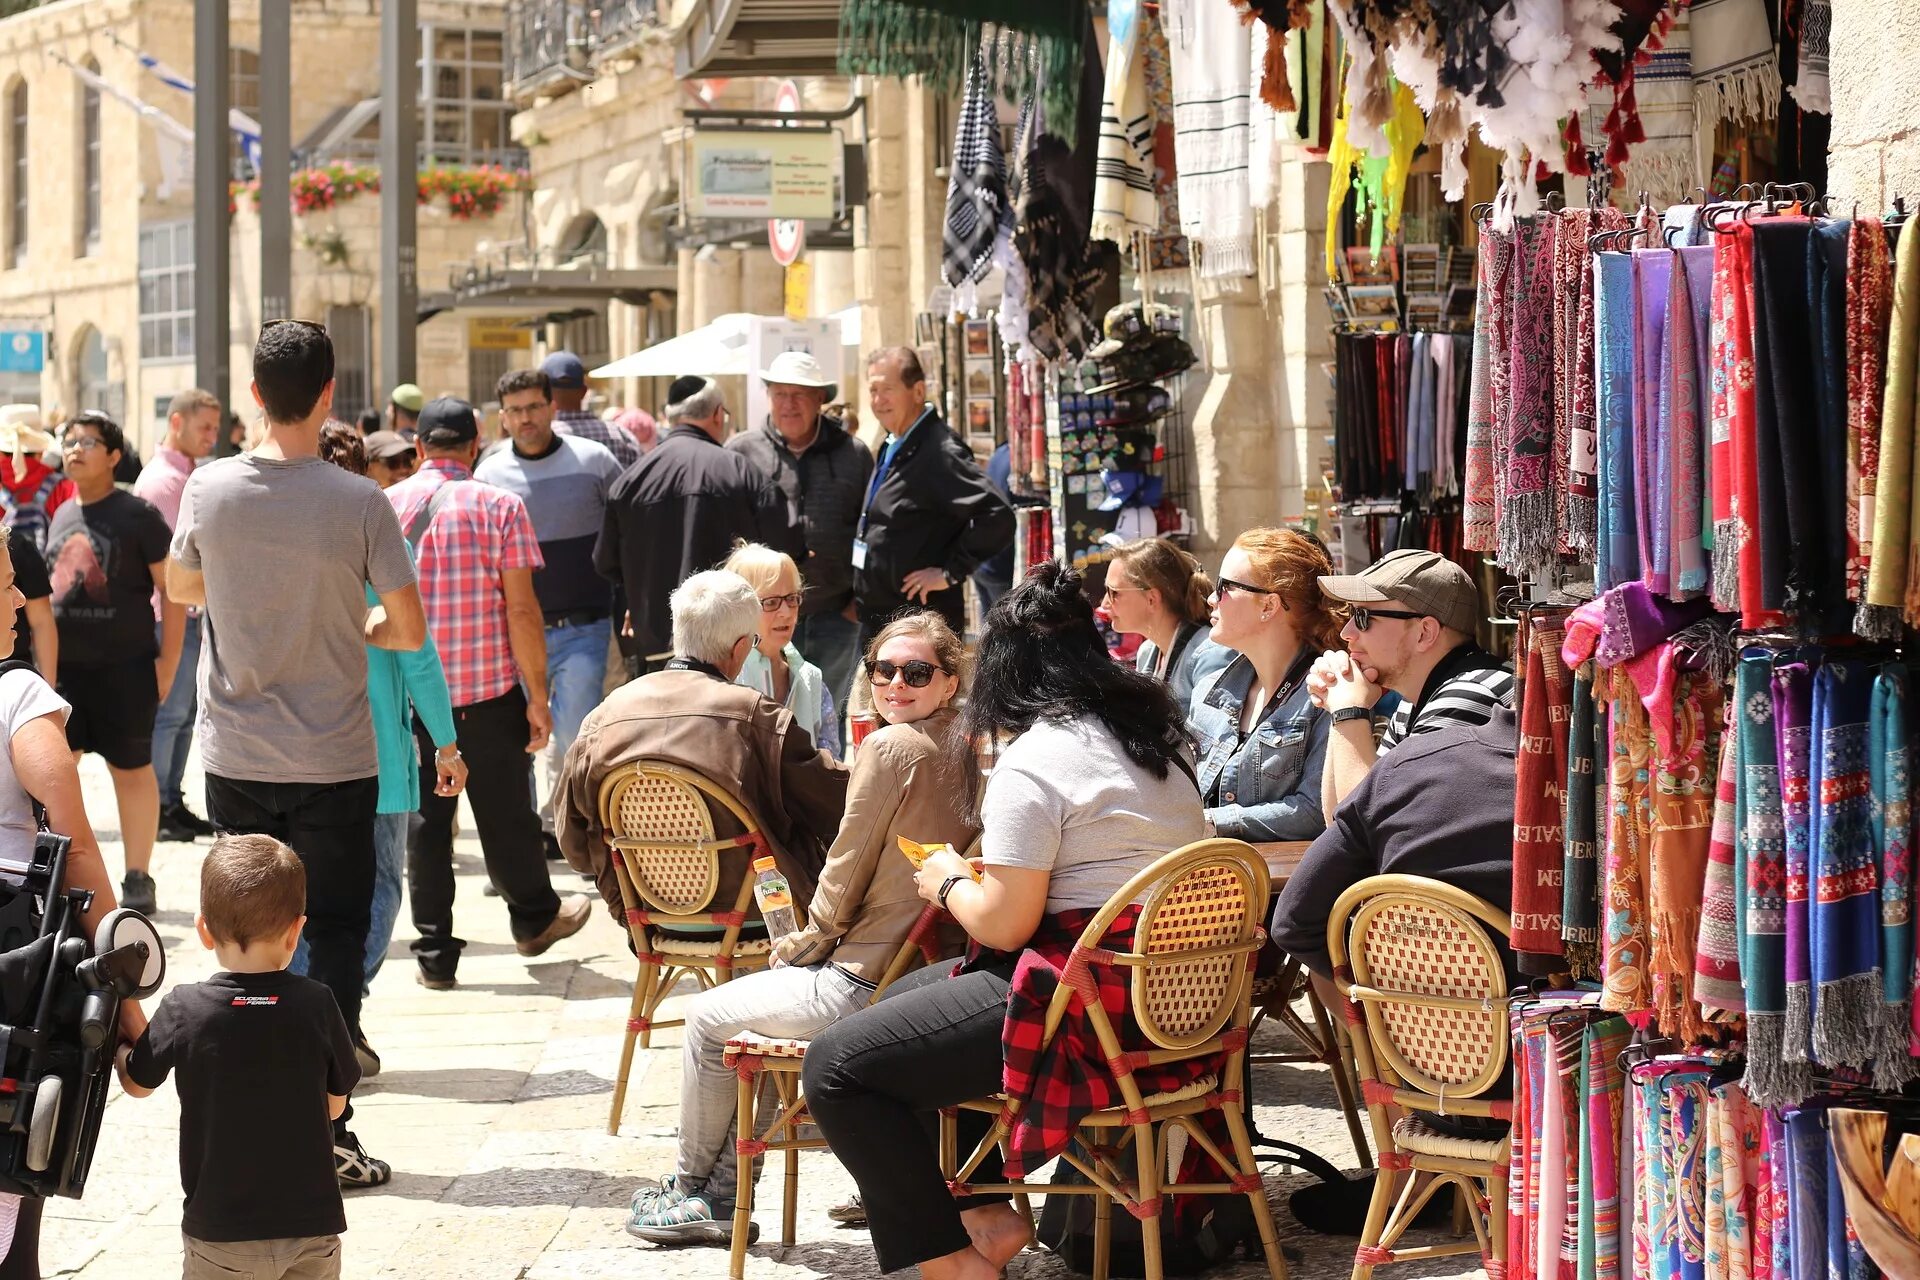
[
  {"x": 908, "y": 780},
  {"x": 732, "y": 735}
]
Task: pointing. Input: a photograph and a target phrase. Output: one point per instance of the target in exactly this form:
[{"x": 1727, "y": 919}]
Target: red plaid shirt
[
  {"x": 479, "y": 532},
  {"x": 1071, "y": 1078}
]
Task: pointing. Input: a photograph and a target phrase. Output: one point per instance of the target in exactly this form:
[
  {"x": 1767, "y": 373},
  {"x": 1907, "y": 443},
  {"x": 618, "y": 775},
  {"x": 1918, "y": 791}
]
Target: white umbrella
[{"x": 714, "y": 351}]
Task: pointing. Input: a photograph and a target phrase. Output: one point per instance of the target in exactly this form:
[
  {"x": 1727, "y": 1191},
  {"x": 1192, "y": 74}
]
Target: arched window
[
  {"x": 95, "y": 393},
  {"x": 18, "y": 160},
  {"x": 90, "y": 166}
]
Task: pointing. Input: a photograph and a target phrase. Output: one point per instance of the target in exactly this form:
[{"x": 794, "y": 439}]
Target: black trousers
[
  {"x": 493, "y": 741},
  {"x": 330, "y": 825},
  {"x": 875, "y": 1082}
]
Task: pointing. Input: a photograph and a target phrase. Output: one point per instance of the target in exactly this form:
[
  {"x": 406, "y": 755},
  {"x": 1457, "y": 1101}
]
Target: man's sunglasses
[
  {"x": 1363, "y": 617},
  {"x": 771, "y": 604},
  {"x": 918, "y": 674}
]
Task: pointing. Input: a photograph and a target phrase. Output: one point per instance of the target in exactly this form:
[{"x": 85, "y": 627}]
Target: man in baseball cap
[
  {"x": 567, "y": 384},
  {"x": 404, "y": 408},
  {"x": 1411, "y": 629}
]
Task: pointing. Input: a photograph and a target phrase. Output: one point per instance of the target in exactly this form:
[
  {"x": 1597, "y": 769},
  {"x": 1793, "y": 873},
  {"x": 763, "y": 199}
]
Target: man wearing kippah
[
  {"x": 679, "y": 510},
  {"x": 1410, "y": 632}
]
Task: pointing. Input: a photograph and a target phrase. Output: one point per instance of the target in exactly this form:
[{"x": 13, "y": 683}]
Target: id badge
[{"x": 859, "y": 553}]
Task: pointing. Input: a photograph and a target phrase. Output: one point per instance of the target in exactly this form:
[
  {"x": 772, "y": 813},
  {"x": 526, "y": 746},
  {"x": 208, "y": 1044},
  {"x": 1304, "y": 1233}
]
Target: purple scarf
[
  {"x": 1793, "y": 721},
  {"x": 1688, "y": 400},
  {"x": 1652, "y": 274}
]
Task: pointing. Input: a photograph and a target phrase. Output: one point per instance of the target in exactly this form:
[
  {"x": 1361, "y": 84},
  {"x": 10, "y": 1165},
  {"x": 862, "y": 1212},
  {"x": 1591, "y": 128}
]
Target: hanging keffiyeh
[
  {"x": 977, "y": 208},
  {"x": 1123, "y": 199},
  {"x": 1810, "y": 86},
  {"x": 1212, "y": 96}
]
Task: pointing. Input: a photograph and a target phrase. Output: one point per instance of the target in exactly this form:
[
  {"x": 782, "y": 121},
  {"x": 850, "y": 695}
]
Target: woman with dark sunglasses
[
  {"x": 1262, "y": 739},
  {"x": 910, "y": 778},
  {"x": 1092, "y": 785},
  {"x": 1156, "y": 590}
]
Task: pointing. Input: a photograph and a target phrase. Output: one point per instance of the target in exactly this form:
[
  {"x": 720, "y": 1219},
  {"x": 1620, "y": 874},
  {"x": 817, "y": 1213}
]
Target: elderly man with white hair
[
  {"x": 679, "y": 510},
  {"x": 690, "y": 713}
]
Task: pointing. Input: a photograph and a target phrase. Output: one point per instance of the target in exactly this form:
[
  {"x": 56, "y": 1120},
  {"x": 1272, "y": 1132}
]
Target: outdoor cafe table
[{"x": 1282, "y": 858}]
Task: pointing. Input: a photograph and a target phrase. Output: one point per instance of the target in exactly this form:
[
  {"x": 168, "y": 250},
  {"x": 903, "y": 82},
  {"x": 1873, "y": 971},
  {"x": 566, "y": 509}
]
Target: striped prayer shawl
[{"x": 1123, "y": 199}]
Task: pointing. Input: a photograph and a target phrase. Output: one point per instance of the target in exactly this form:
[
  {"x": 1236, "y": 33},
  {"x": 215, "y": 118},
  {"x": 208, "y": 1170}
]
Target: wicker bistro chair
[
  {"x": 1189, "y": 975},
  {"x": 1426, "y": 1008},
  {"x": 752, "y": 1056},
  {"x": 659, "y": 827}
]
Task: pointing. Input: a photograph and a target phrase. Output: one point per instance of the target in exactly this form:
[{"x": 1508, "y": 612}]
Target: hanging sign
[
  {"x": 764, "y": 173},
  {"x": 799, "y": 290},
  {"x": 498, "y": 333},
  {"x": 22, "y": 351}
]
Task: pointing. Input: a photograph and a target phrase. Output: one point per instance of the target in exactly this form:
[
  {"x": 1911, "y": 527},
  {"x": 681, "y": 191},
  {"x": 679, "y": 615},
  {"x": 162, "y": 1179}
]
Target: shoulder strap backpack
[{"x": 417, "y": 527}]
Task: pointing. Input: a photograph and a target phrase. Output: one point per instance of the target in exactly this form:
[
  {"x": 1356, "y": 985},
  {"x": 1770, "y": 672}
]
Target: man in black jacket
[
  {"x": 678, "y": 511},
  {"x": 822, "y": 472},
  {"x": 931, "y": 516}
]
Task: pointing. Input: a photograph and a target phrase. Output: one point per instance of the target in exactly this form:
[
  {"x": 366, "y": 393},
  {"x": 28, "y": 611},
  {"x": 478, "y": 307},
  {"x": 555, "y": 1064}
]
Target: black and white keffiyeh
[{"x": 977, "y": 208}]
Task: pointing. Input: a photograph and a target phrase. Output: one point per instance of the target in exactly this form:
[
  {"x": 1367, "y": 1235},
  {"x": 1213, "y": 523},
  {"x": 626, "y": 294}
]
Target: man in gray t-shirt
[{"x": 278, "y": 548}]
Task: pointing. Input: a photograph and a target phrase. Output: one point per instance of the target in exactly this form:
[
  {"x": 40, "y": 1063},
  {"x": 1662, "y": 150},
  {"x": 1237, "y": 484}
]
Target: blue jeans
[
  {"x": 576, "y": 675},
  {"x": 173, "y": 723},
  {"x": 831, "y": 641},
  {"x": 389, "y": 872}
]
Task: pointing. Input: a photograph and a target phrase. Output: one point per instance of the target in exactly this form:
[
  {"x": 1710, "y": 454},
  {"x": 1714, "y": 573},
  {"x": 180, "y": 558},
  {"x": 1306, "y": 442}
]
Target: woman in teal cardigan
[{"x": 400, "y": 685}]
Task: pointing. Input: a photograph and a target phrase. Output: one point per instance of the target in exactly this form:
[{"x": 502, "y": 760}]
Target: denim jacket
[{"x": 1267, "y": 787}]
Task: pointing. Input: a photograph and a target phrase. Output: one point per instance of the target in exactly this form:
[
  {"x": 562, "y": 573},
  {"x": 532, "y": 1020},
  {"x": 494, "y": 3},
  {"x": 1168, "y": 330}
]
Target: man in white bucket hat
[{"x": 821, "y": 471}]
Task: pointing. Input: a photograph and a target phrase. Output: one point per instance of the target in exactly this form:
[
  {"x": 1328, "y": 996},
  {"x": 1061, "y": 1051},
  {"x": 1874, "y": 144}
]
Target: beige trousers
[{"x": 297, "y": 1258}]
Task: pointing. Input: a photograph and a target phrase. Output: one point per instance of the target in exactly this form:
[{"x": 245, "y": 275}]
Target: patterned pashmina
[
  {"x": 1684, "y": 404},
  {"x": 1869, "y": 306},
  {"x": 1652, "y": 274},
  {"x": 1724, "y": 587},
  {"x": 1887, "y": 574},
  {"x": 1527, "y": 522},
  {"x": 1738, "y": 1128},
  {"x": 1539, "y": 794},
  {"x": 1793, "y": 727},
  {"x": 1583, "y": 482},
  {"x": 1745, "y": 434},
  {"x": 1843, "y": 917},
  {"x": 1683, "y": 1147},
  {"x": 1580, "y": 879},
  {"x": 1892, "y": 836},
  {"x": 1687, "y": 758},
  {"x": 1716, "y": 968},
  {"x": 1572, "y": 430},
  {"x": 1480, "y": 511},
  {"x": 1779, "y": 1194},
  {"x": 1629, "y": 833},
  {"x": 1770, "y": 1079},
  {"x": 1601, "y": 1085},
  {"x": 1652, "y": 1226},
  {"x": 1789, "y": 469},
  {"x": 1617, "y": 542}
]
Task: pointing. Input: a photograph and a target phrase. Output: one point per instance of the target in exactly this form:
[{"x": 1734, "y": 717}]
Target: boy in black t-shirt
[{"x": 265, "y": 1064}]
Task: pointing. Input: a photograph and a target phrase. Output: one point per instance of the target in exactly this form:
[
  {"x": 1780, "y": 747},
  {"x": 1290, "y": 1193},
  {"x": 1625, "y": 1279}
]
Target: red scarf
[
  {"x": 1869, "y": 309},
  {"x": 1540, "y": 777}
]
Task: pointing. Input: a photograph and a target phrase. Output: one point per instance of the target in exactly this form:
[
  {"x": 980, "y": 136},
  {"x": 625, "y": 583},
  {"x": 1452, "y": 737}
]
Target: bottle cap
[{"x": 763, "y": 864}]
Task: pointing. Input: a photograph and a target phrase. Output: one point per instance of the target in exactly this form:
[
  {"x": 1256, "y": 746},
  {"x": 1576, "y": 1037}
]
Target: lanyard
[{"x": 694, "y": 664}]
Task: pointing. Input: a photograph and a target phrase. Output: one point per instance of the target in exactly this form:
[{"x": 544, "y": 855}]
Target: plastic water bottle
[{"x": 771, "y": 891}]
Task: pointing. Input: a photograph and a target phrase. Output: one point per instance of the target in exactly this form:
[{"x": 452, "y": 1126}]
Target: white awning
[
  {"x": 849, "y": 318},
  {"x": 715, "y": 351}
]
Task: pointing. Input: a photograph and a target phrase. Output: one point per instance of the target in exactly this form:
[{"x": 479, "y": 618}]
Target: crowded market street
[{"x": 491, "y": 1107}]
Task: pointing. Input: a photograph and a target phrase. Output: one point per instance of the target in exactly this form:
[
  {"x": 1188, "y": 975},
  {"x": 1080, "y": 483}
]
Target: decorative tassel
[
  {"x": 1275, "y": 90},
  {"x": 1845, "y": 1021},
  {"x": 1877, "y": 622},
  {"x": 1771, "y": 1080},
  {"x": 1893, "y": 1063}
]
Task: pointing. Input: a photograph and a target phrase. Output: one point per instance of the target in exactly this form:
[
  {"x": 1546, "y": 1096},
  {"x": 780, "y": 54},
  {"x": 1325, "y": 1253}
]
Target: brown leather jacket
[
  {"x": 908, "y": 780},
  {"x": 732, "y": 735}
]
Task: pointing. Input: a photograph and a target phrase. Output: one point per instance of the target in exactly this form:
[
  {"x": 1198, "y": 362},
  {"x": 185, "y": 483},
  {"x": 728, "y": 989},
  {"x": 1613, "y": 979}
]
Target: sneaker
[
  {"x": 369, "y": 1060},
  {"x": 850, "y": 1214},
  {"x": 652, "y": 1195},
  {"x": 694, "y": 1219},
  {"x": 182, "y": 825},
  {"x": 355, "y": 1168},
  {"x": 136, "y": 893},
  {"x": 434, "y": 977},
  {"x": 569, "y": 920}
]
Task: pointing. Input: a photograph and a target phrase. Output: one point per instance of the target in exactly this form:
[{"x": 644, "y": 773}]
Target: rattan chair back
[
  {"x": 1191, "y": 934},
  {"x": 659, "y": 819},
  {"x": 1429, "y": 979}
]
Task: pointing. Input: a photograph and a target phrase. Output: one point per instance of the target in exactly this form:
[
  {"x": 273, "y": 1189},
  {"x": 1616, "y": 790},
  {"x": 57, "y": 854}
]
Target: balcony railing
[{"x": 554, "y": 43}]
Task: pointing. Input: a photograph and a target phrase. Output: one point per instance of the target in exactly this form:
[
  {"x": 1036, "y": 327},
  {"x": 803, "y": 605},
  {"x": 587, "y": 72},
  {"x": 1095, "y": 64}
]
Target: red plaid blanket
[{"x": 1070, "y": 1078}]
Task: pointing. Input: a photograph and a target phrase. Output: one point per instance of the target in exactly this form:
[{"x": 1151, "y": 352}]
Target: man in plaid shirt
[
  {"x": 567, "y": 375},
  {"x": 477, "y": 552}
]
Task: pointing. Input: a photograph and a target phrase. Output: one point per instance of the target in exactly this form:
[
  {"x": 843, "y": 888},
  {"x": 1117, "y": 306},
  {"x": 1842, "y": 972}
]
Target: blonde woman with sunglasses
[{"x": 778, "y": 670}]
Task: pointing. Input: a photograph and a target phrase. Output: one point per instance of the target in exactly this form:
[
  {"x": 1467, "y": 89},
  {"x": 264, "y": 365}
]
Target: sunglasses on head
[
  {"x": 1363, "y": 617},
  {"x": 918, "y": 675}
]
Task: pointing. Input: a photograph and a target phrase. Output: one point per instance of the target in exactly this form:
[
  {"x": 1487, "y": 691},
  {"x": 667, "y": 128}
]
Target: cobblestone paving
[{"x": 492, "y": 1108}]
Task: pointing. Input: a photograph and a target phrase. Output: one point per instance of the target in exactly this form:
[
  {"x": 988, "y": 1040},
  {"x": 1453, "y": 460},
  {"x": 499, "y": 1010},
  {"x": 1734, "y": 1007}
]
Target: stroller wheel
[
  {"x": 46, "y": 1119},
  {"x": 122, "y": 927}
]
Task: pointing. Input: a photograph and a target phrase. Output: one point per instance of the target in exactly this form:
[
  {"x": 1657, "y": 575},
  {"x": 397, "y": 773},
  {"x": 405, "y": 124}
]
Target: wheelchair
[{"x": 60, "y": 995}]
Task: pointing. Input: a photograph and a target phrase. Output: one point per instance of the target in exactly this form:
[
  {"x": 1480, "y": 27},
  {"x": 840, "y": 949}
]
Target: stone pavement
[{"x": 492, "y": 1108}]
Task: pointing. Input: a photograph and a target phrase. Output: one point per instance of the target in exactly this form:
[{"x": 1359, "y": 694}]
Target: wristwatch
[
  {"x": 1344, "y": 714},
  {"x": 946, "y": 887}
]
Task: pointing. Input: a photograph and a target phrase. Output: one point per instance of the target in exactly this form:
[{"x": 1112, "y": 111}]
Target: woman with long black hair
[{"x": 1094, "y": 783}]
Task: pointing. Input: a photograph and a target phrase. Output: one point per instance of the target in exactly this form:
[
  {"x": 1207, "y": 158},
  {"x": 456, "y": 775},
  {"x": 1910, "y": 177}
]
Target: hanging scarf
[
  {"x": 1123, "y": 199},
  {"x": 1601, "y": 1094},
  {"x": 1617, "y": 543},
  {"x": 1652, "y": 277},
  {"x": 1810, "y": 85},
  {"x": 1827, "y": 317},
  {"x": 936, "y": 41},
  {"x": 1723, "y": 370},
  {"x": 1844, "y": 941},
  {"x": 1793, "y": 728},
  {"x": 1869, "y": 306},
  {"x": 1666, "y": 163},
  {"x": 1807, "y": 1194},
  {"x": 1888, "y": 572},
  {"x": 1789, "y": 473},
  {"x": 1540, "y": 773},
  {"x": 1716, "y": 983},
  {"x": 1748, "y": 499},
  {"x": 1580, "y": 878},
  {"x": 1686, "y": 728},
  {"x": 1479, "y": 508},
  {"x": 1583, "y": 458},
  {"x": 977, "y": 208},
  {"x": 1569, "y": 264},
  {"x": 1684, "y": 406},
  {"x": 1212, "y": 98},
  {"x": 1887, "y": 732},
  {"x": 1770, "y": 1079},
  {"x": 1624, "y": 975},
  {"x": 1736, "y": 72},
  {"x": 1052, "y": 211}
]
